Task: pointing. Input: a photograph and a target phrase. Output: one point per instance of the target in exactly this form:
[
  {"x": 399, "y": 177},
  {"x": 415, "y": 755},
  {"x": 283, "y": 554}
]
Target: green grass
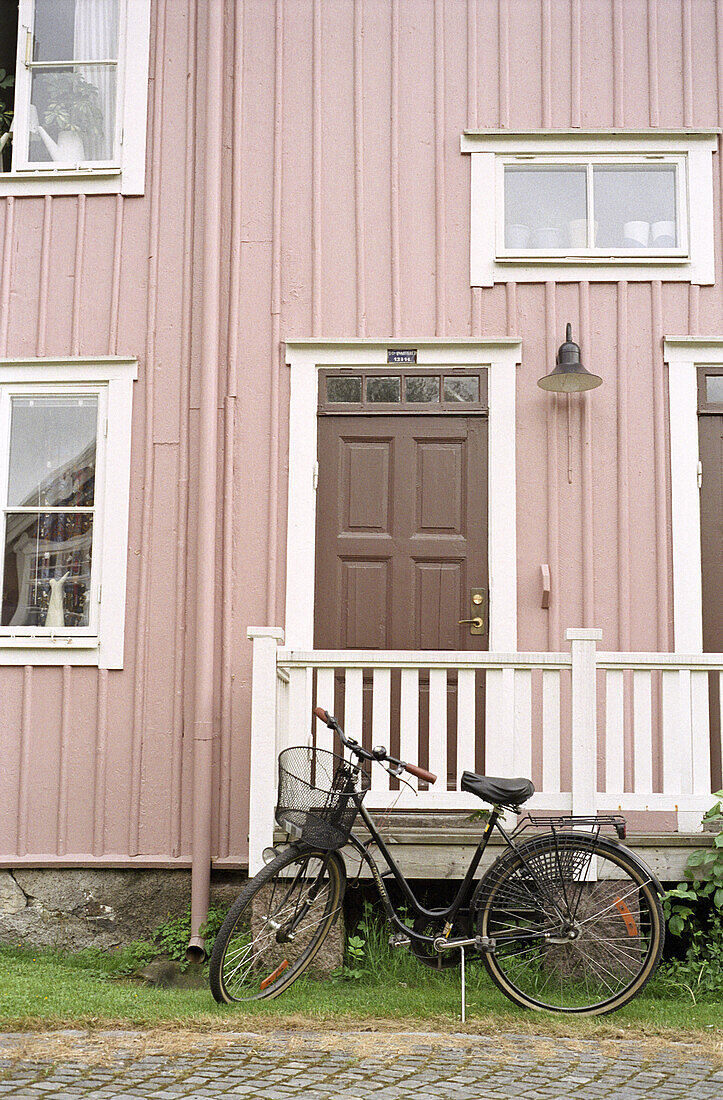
[{"x": 42, "y": 989}]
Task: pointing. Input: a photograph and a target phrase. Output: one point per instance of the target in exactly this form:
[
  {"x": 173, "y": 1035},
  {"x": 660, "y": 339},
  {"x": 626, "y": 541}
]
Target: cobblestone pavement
[{"x": 123, "y": 1065}]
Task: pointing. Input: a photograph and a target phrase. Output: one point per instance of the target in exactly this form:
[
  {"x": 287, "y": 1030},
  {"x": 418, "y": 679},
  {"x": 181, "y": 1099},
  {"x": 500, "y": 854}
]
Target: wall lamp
[{"x": 568, "y": 374}]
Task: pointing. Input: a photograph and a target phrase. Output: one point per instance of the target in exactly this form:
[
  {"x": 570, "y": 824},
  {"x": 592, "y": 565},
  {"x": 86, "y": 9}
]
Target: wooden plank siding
[{"x": 346, "y": 214}]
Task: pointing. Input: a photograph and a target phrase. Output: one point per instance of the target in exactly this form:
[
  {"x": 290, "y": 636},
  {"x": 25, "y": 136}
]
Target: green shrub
[
  {"x": 172, "y": 935},
  {"x": 694, "y": 913}
]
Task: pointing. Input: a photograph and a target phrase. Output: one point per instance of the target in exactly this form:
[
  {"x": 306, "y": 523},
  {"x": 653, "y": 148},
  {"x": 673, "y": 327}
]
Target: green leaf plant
[
  {"x": 694, "y": 912},
  {"x": 73, "y": 104}
]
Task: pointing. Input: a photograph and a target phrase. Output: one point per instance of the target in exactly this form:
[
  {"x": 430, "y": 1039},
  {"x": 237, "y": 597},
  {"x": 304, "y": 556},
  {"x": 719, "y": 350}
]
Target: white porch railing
[{"x": 627, "y": 731}]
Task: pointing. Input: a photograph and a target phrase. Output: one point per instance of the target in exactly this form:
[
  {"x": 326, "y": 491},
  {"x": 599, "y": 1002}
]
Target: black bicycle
[{"x": 565, "y": 920}]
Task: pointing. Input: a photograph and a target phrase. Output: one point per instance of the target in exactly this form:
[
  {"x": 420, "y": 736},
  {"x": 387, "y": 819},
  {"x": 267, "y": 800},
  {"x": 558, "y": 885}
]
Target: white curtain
[{"x": 96, "y": 36}]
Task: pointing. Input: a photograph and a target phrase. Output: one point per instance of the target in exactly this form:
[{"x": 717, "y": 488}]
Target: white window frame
[
  {"x": 112, "y": 379},
  {"x": 691, "y": 151},
  {"x": 305, "y": 358},
  {"x": 124, "y": 175}
]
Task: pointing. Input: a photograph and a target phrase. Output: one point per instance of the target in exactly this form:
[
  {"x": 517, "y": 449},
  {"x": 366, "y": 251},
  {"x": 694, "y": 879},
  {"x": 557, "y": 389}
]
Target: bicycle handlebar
[{"x": 364, "y": 754}]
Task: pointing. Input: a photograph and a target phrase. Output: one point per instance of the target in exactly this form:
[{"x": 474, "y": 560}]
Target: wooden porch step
[{"x": 439, "y": 845}]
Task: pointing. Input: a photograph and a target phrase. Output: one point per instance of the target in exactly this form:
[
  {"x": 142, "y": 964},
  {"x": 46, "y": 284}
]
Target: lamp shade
[{"x": 568, "y": 374}]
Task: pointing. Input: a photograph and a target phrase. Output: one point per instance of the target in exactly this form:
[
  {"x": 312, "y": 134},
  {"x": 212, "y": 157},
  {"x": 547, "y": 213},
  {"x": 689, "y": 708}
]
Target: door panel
[{"x": 401, "y": 531}]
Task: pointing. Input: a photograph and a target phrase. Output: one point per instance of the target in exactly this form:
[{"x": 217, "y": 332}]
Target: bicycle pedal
[{"x": 399, "y": 939}]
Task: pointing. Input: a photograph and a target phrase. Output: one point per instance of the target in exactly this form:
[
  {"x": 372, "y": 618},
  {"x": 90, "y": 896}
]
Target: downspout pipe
[{"x": 203, "y": 718}]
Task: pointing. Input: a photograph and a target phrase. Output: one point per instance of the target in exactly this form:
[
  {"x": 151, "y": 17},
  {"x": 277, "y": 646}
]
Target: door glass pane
[
  {"x": 75, "y": 30},
  {"x": 46, "y": 579},
  {"x": 383, "y": 389},
  {"x": 421, "y": 388},
  {"x": 545, "y": 207},
  {"x": 461, "y": 389},
  {"x": 345, "y": 389},
  {"x": 52, "y": 451},
  {"x": 714, "y": 389},
  {"x": 72, "y": 114},
  {"x": 635, "y": 205}
]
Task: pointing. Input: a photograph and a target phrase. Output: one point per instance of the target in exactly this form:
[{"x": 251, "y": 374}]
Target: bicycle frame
[{"x": 463, "y": 895}]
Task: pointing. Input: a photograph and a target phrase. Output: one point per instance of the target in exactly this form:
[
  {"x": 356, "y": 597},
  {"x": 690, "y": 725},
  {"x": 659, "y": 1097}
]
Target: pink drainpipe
[{"x": 203, "y": 724}]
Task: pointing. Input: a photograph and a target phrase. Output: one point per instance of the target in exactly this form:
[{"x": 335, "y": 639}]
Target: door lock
[{"x": 478, "y": 603}]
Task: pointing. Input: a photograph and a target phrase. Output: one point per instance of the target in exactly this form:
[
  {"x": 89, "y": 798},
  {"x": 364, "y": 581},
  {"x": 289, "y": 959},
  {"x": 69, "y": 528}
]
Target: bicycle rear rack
[{"x": 569, "y": 821}]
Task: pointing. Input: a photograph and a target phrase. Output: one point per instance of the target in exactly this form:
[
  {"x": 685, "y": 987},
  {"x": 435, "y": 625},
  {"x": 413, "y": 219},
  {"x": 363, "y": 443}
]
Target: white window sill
[
  {"x": 58, "y": 650},
  {"x": 62, "y": 181}
]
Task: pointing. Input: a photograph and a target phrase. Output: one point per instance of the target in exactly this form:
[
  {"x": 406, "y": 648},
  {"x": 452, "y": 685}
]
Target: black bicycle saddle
[{"x": 500, "y": 792}]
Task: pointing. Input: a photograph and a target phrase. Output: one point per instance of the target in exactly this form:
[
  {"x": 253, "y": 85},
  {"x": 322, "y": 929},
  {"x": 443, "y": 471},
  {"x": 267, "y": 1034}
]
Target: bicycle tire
[
  {"x": 298, "y": 895},
  {"x": 570, "y": 936}
]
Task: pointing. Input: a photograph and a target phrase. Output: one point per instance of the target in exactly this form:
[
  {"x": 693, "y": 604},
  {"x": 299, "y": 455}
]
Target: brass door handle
[{"x": 475, "y": 622}]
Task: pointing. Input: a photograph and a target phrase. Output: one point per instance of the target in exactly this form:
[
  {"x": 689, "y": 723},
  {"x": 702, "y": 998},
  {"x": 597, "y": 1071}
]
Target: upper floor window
[
  {"x": 591, "y": 205},
  {"x": 80, "y": 89}
]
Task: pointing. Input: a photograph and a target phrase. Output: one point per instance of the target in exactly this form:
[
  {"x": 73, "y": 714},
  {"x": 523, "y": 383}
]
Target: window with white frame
[
  {"x": 64, "y": 470},
  {"x": 591, "y": 205},
  {"x": 79, "y": 93}
]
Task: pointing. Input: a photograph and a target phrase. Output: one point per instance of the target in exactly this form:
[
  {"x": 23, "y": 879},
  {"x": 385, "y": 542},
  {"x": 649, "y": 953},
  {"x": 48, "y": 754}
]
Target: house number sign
[{"x": 401, "y": 355}]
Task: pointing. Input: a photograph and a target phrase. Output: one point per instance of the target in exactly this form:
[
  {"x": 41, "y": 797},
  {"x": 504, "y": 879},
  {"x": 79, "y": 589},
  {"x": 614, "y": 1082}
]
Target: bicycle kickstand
[{"x": 464, "y": 998}]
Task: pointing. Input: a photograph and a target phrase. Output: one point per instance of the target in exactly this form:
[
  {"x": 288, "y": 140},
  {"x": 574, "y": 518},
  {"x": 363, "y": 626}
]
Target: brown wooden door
[
  {"x": 711, "y": 525},
  {"x": 401, "y": 536}
]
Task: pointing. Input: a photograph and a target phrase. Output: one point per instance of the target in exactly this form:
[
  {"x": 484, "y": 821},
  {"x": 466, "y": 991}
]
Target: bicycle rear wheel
[
  {"x": 577, "y": 925},
  {"x": 277, "y": 925}
]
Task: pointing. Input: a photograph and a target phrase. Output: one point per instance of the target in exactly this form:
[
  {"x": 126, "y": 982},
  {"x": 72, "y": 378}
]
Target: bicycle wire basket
[{"x": 319, "y": 796}]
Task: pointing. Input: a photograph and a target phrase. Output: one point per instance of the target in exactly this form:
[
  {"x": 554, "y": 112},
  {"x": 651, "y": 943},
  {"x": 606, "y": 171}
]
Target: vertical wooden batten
[
  {"x": 234, "y": 335},
  {"x": 141, "y": 639},
  {"x": 205, "y": 580}
]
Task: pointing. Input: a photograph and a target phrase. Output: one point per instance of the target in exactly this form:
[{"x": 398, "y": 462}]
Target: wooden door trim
[
  {"x": 500, "y": 358},
  {"x": 684, "y": 356}
]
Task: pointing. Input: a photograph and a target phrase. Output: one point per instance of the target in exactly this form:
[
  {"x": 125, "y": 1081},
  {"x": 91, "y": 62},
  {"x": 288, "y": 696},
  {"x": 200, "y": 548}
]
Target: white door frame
[
  {"x": 684, "y": 354},
  {"x": 305, "y": 358}
]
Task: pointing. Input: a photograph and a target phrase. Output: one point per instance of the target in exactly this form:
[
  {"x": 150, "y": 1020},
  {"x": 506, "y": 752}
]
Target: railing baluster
[
  {"x": 300, "y": 728},
  {"x": 325, "y": 699},
  {"x": 523, "y": 723},
  {"x": 675, "y": 727},
  {"x": 465, "y": 721},
  {"x": 499, "y": 727},
  {"x": 409, "y": 720},
  {"x": 642, "y": 711},
  {"x": 550, "y": 731},
  {"x": 614, "y": 731},
  {"x": 381, "y": 715},
  {"x": 438, "y": 726},
  {"x": 353, "y": 702}
]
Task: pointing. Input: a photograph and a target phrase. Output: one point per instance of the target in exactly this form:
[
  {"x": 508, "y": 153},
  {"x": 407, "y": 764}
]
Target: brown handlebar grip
[
  {"x": 420, "y": 773},
  {"x": 321, "y": 714}
]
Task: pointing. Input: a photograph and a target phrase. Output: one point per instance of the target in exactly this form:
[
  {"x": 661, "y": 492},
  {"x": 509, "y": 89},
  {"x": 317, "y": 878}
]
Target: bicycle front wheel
[
  {"x": 577, "y": 925},
  {"x": 277, "y": 925}
]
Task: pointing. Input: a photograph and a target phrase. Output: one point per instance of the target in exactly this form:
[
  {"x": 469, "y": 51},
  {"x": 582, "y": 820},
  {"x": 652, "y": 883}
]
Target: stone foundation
[{"x": 75, "y": 908}]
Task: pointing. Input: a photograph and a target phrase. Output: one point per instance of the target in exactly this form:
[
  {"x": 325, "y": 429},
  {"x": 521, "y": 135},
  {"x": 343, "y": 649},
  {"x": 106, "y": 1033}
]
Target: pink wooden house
[{"x": 278, "y": 281}]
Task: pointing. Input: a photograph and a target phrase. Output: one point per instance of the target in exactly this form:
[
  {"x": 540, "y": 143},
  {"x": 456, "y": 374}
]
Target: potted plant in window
[
  {"x": 73, "y": 109},
  {"x": 6, "y": 114}
]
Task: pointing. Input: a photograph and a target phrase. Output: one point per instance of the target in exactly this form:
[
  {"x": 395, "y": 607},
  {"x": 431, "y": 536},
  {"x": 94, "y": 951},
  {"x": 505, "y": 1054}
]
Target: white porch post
[
  {"x": 584, "y": 719},
  {"x": 262, "y": 768}
]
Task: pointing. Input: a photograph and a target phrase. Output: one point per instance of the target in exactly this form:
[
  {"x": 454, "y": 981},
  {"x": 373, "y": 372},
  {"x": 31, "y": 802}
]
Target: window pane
[
  {"x": 461, "y": 389},
  {"x": 47, "y": 569},
  {"x": 52, "y": 451},
  {"x": 72, "y": 114},
  {"x": 346, "y": 389},
  {"x": 545, "y": 207},
  {"x": 422, "y": 388},
  {"x": 635, "y": 205},
  {"x": 75, "y": 30},
  {"x": 714, "y": 388},
  {"x": 383, "y": 389}
]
